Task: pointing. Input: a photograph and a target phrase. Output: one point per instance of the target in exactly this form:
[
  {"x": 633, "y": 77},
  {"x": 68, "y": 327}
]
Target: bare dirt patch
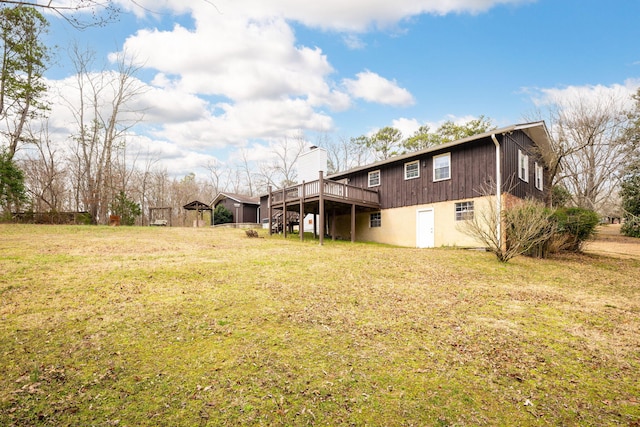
[{"x": 610, "y": 242}]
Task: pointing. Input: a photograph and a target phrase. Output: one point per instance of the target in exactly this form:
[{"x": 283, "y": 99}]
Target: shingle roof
[{"x": 240, "y": 198}]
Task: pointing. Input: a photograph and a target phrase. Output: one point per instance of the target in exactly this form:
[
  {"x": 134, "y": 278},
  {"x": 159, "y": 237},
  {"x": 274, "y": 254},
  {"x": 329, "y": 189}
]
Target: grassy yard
[{"x": 184, "y": 327}]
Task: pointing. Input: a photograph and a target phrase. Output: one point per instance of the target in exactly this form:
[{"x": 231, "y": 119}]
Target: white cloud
[
  {"x": 374, "y": 88},
  {"x": 169, "y": 105},
  {"x": 234, "y": 57},
  {"x": 340, "y": 15},
  {"x": 353, "y": 41},
  {"x": 244, "y": 121},
  {"x": 407, "y": 126},
  {"x": 593, "y": 94}
]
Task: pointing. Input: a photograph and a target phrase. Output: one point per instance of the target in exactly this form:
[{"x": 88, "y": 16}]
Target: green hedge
[{"x": 577, "y": 224}]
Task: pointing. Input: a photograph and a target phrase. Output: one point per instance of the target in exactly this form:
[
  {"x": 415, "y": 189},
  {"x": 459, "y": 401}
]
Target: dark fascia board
[{"x": 537, "y": 131}]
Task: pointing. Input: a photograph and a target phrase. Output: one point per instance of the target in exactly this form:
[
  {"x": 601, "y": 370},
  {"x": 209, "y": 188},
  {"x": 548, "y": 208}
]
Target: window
[
  {"x": 374, "y": 178},
  {"x": 464, "y": 211},
  {"x": 442, "y": 167},
  {"x": 412, "y": 170},
  {"x": 539, "y": 176},
  {"x": 523, "y": 166},
  {"x": 375, "y": 220}
]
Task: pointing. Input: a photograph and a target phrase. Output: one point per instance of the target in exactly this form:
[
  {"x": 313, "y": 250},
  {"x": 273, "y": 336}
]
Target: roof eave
[
  {"x": 537, "y": 131},
  {"x": 220, "y": 195}
]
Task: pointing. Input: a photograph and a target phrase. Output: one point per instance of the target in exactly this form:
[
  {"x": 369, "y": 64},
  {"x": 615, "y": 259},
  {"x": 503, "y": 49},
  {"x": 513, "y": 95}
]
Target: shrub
[
  {"x": 560, "y": 196},
  {"x": 529, "y": 229},
  {"x": 222, "y": 215},
  {"x": 631, "y": 226},
  {"x": 630, "y": 195},
  {"x": 577, "y": 225},
  {"x": 526, "y": 226}
]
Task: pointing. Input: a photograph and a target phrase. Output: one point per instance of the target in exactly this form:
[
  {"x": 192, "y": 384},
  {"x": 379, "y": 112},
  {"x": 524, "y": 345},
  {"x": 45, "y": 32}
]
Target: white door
[{"x": 425, "y": 237}]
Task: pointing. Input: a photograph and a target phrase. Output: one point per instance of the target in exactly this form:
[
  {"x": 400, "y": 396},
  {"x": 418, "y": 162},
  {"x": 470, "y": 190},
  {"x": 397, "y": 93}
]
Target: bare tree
[
  {"x": 343, "y": 154},
  {"x": 46, "y": 175},
  {"x": 588, "y": 147},
  {"x": 143, "y": 178},
  {"x": 281, "y": 169},
  {"x": 245, "y": 168},
  {"x": 218, "y": 176},
  {"x": 102, "y": 121}
]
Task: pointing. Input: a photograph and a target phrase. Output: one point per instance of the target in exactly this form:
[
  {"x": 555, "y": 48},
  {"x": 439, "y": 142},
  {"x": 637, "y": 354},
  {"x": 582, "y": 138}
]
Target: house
[
  {"x": 418, "y": 199},
  {"x": 243, "y": 208}
]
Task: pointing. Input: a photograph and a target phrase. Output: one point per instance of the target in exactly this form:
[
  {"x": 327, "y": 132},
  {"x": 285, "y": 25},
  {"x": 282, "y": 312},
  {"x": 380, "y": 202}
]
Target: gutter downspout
[{"x": 498, "y": 191}]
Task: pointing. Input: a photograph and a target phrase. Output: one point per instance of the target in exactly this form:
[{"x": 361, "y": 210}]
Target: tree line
[{"x": 593, "y": 163}]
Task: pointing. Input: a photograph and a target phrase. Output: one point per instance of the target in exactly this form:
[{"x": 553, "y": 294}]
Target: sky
[{"x": 224, "y": 77}]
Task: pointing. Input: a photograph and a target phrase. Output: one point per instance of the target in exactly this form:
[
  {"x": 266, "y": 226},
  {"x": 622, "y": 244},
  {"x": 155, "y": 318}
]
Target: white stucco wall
[{"x": 399, "y": 225}]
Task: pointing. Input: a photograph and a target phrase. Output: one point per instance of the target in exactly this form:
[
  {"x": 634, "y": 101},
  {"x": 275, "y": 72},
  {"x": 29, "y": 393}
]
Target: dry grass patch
[{"x": 155, "y": 326}]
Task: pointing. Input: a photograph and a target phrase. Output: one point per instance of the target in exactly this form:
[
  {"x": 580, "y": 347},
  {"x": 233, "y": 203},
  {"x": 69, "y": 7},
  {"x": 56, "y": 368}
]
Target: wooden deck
[
  {"x": 329, "y": 190},
  {"x": 314, "y": 196}
]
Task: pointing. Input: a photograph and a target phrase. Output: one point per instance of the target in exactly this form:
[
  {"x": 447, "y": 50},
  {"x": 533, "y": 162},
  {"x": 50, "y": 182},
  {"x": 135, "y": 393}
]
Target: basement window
[
  {"x": 464, "y": 211},
  {"x": 375, "y": 220}
]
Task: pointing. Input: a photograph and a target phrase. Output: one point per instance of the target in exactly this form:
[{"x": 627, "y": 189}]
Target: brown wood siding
[
  {"x": 472, "y": 168},
  {"x": 264, "y": 207},
  {"x": 511, "y": 143},
  {"x": 249, "y": 213},
  {"x": 246, "y": 212}
]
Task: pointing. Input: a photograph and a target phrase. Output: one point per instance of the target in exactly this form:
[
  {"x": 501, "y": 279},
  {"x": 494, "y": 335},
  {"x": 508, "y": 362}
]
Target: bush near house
[
  {"x": 577, "y": 225},
  {"x": 222, "y": 215},
  {"x": 568, "y": 229},
  {"x": 532, "y": 229}
]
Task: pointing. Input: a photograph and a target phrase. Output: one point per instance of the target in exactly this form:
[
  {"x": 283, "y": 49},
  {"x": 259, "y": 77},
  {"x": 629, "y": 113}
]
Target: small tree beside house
[{"x": 222, "y": 215}]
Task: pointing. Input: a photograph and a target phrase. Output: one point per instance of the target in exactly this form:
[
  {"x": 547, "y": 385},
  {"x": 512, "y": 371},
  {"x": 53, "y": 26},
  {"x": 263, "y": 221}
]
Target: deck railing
[{"x": 331, "y": 189}]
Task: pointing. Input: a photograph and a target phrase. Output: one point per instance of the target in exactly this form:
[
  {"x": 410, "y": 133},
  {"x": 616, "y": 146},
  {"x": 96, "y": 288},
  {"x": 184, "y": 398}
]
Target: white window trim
[
  {"x": 447, "y": 155},
  {"x": 469, "y": 210},
  {"x": 539, "y": 176},
  {"x": 380, "y": 220},
  {"x": 522, "y": 156},
  {"x": 415, "y": 162},
  {"x": 369, "y": 178}
]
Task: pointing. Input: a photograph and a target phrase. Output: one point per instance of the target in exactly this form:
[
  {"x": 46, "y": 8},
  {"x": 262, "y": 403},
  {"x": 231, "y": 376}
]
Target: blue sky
[{"x": 242, "y": 75}]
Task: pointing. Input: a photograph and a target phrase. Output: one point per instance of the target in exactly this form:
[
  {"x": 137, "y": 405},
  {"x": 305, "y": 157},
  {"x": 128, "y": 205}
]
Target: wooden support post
[
  {"x": 353, "y": 223},
  {"x": 284, "y": 213},
  {"x": 301, "y": 219},
  {"x": 321, "y": 200},
  {"x": 270, "y": 203},
  {"x": 333, "y": 224},
  {"x": 315, "y": 224}
]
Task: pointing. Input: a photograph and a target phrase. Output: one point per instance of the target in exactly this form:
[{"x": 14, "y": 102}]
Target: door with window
[{"x": 425, "y": 236}]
